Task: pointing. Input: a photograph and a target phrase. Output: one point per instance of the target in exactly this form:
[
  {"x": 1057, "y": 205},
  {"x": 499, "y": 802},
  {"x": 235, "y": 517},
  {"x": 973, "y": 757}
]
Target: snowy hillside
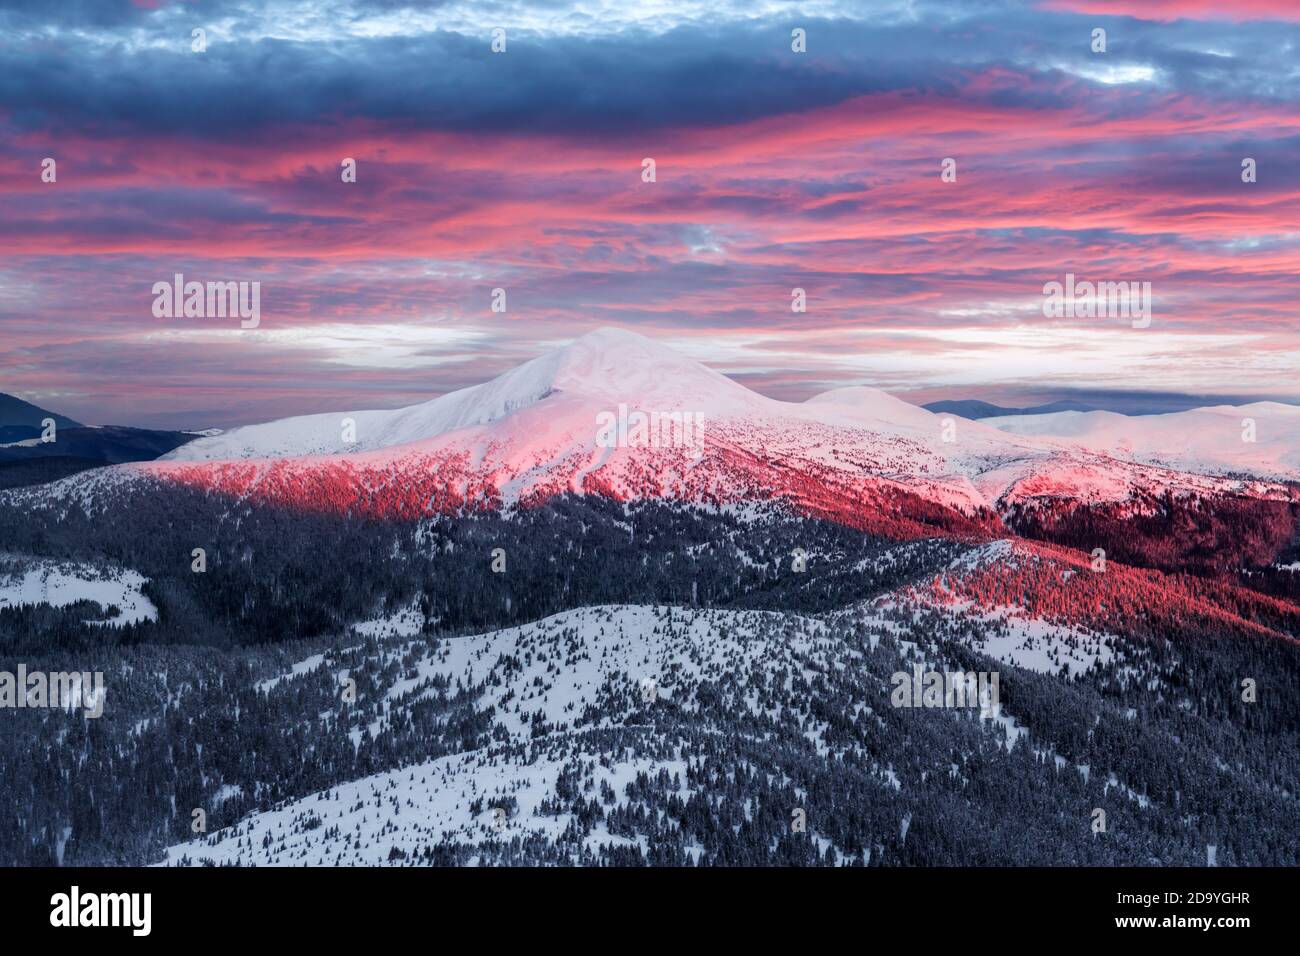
[
  {"x": 1261, "y": 439},
  {"x": 597, "y": 716},
  {"x": 30, "y": 581},
  {"x": 620, "y": 730},
  {"x": 553, "y": 688},
  {"x": 855, "y": 455},
  {"x": 557, "y": 675}
]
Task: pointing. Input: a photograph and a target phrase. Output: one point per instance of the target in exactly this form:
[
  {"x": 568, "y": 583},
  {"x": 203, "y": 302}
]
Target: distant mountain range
[
  {"x": 975, "y": 409},
  {"x": 616, "y": 415},
  {"x": 20, "y": 420},
  {"x": 27, "y": 460}
]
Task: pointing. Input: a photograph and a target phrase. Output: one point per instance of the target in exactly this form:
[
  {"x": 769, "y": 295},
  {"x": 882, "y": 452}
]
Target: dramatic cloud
[{"x": 523, "y": 170}]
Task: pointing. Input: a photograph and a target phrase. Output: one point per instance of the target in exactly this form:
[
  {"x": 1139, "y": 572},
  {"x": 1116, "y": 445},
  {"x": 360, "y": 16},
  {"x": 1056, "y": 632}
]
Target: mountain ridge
[{"x": 857, "y": 456}]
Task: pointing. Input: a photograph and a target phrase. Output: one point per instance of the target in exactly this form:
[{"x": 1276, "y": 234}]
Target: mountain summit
[
  {"x": 617, "y": 415},
  {"x": 606, "y": 367},
  {"x": 20, "y": 420}
]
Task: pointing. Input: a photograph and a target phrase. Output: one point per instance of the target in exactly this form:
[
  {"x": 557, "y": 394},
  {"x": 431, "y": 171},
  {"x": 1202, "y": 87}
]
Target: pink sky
[{"x": 1124, "y": 166}]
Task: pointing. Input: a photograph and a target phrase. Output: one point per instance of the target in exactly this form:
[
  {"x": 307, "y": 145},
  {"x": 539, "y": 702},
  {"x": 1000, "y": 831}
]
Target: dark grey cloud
[{"x": 84, "y": 66}]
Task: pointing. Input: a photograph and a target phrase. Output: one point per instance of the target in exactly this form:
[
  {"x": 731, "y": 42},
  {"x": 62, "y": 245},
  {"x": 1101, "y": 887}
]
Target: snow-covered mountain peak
[
  {"x": 865, "y": 402},
  {"x": 603, "y": 369},
  {"x": 615, "y": 413},
  {"x": 616, "y": 364}
]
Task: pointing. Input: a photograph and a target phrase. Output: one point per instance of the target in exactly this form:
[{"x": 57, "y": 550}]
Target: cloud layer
[{"x": 522, "y": 170}]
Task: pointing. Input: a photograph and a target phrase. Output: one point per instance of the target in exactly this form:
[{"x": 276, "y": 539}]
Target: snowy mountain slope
[
  {"x": 1009, "y": 632},
  {"x": 26, "y": 581},
  {"x": 1261, "y": 439},
  {"x": 556, "y": 689},
  {"x": 607, "y": 366},
  {"x": 1032, "y": 580},
  {"x": 389, "y": 818},
  {"x": 608, "y": 724},
  {"x": 569, "y": 388},
  {"x": 854, "y": 455},
  {"x": 550, "y": 687},
  {"x": 752, "y": 715},
  {"x": 862, "y": 403}
]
